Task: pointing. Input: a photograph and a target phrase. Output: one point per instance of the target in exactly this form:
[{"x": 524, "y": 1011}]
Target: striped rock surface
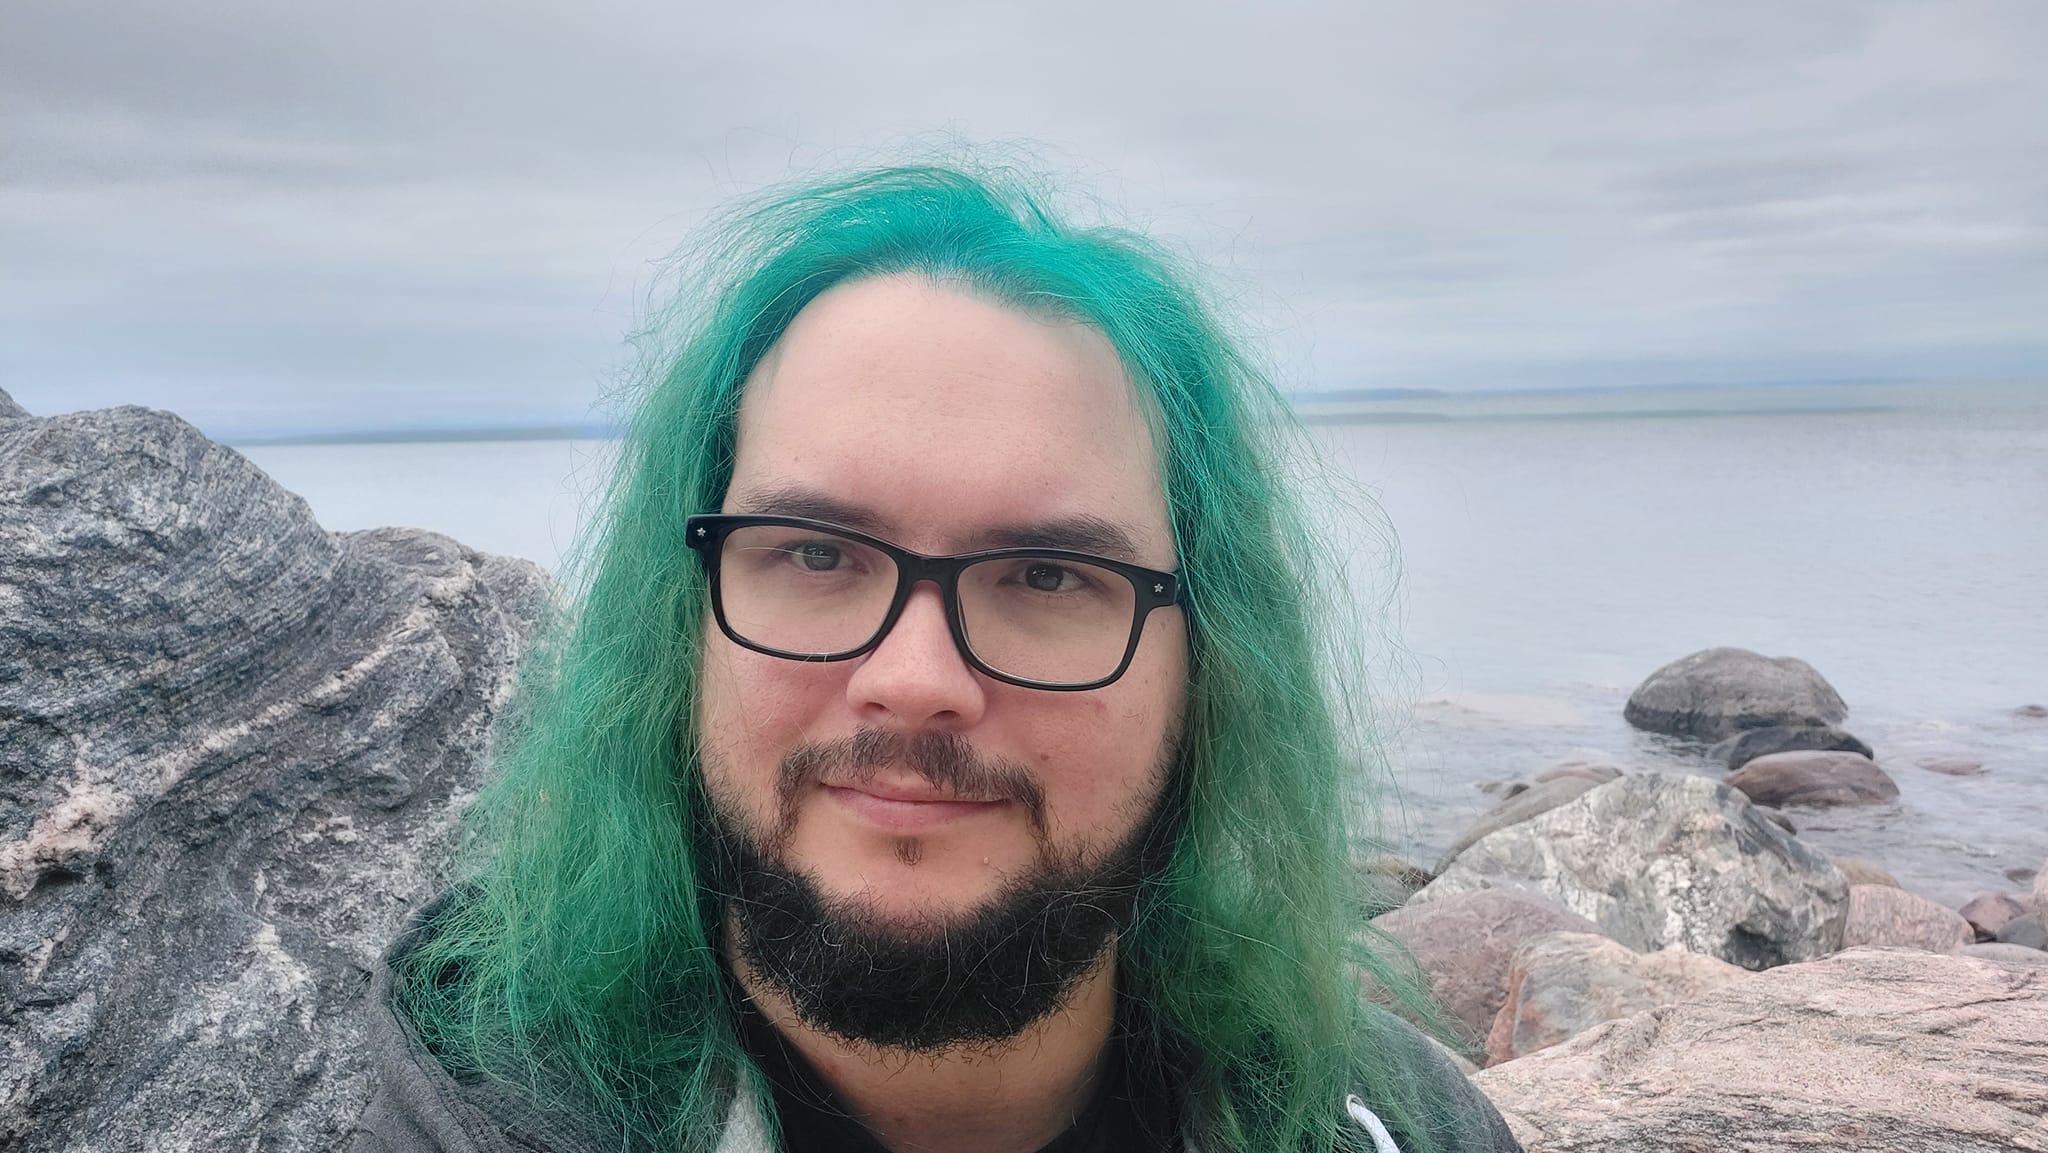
[{"x": 233, "y": 747}]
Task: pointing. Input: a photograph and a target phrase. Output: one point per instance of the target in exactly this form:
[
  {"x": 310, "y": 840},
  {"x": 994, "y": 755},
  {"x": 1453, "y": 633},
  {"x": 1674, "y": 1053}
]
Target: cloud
[{"x": 267, "y": 216}]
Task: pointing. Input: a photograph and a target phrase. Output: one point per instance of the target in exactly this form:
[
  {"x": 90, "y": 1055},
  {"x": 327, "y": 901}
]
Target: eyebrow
[
  {"x": 1089, "y": 534},
  {"x": 1082, "y": 533},
  {"x": 795, "y": 500}
]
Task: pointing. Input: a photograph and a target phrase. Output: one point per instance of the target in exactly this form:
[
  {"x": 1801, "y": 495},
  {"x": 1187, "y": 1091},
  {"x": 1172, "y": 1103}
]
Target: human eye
[
  {"x": 1037, "y": 593},
  {"x": 798, "y": 554},
  {"x": 1047, "y": 576},
  {"x": 816, "y": 555},
  {"x": 1054, "y": 580}
]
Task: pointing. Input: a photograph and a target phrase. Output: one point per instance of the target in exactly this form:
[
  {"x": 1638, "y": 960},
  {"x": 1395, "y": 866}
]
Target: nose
[{"x": 916, "y": 678}]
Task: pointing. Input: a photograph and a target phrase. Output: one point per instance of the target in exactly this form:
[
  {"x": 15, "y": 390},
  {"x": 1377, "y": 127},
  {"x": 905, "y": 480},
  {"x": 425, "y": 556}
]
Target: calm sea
[{"x": 1553, "y": 549}]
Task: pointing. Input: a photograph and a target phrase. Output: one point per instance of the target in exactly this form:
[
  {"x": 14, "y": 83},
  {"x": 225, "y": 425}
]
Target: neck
[{"x": 1013, "y": 1096}]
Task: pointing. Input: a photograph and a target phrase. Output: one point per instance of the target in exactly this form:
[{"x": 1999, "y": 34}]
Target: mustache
[{"x": 946, "y": 761}]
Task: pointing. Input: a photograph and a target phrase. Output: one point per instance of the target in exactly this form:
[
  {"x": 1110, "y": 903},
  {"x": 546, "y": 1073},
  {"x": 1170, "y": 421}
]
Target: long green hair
[{"x": 582, "y": 959}]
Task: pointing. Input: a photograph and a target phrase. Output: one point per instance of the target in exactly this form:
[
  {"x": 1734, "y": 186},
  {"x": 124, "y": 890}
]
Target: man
[{"x": 938, "y": 757}]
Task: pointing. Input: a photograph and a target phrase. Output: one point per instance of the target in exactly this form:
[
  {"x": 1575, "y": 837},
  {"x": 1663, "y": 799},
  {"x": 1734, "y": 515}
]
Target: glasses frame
[{"x": 1154, "y": 589}]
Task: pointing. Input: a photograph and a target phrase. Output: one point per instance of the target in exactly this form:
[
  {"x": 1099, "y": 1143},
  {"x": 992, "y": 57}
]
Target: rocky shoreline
[
  {"x": 233, "y": 747},
  {"x": 1651, "y": 960}
]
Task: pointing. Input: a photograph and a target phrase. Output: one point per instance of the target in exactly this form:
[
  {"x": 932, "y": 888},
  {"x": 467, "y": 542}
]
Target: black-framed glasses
[{"x": 812, "y": 591}]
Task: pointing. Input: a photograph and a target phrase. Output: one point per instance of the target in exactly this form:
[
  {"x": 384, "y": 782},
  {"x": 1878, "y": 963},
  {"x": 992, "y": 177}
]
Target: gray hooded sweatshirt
[{"x": 418, "y": 1107}]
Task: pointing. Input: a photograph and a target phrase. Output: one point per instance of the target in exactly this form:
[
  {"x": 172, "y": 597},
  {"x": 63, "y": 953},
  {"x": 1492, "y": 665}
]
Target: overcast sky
[{"x": 370, "y": 213}]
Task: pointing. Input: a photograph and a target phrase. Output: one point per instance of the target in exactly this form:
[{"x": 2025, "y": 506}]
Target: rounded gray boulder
[
  {"x": 1750, "y": 744},
  {"x": 2029, "y": 930},
  {"x": 1715, "y": 694}
]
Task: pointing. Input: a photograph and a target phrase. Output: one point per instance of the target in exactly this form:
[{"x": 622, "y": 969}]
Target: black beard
[{"x": 928, "y": 988}]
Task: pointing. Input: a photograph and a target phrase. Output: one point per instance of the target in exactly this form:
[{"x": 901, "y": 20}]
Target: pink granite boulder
[
  {"x": 1987, "y": 913},
  {"x": 1463, "y": 945},
  {"x": 1562, "y": 984},
  {"x": 1880, "y": 915},
  {"x": 1814, "y": 778},
  {"x": 1870, "y": 1049}
]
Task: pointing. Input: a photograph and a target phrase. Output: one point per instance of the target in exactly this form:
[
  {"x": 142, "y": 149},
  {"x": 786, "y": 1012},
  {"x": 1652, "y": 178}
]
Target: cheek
[
  {"x": 751, "y": 710},
  {"x": 1100, "y": 758}
]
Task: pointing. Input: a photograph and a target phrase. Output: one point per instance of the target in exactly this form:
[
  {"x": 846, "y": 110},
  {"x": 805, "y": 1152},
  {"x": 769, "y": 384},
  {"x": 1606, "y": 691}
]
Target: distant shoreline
[
  {"x": 426, "y": 436},
  {"x": 1353, "y": 395},
  {"x": 1313, "y": 413},
  {"x": 1391, "y": 406},
  {"x": 1369, "y": 417}
]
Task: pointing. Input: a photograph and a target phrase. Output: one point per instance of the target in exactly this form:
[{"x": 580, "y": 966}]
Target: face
[{"x": 946, "y": 424}]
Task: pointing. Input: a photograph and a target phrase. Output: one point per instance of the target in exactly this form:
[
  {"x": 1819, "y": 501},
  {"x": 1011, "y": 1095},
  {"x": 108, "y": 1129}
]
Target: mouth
[{"x": 905, "y": 807}]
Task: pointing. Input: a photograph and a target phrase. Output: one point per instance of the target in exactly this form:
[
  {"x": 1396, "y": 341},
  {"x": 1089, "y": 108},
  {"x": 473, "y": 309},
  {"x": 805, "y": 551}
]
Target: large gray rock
[
  {"x": 1562, "y": 984},
  {"x": 1882, "y": 915},
  {"x": 232, "y": 750},
  {"x": 1716, "y": 693},
  {"x": 1818, "y": 780},
  {"x": 1869, "y": 1049},
  {"x": 1538, "y": 798},
  {"x": 2041, "y": 892},
  {"x": 1463, "y": 945},
  {"x": 1750, "y": 744},
  {"x": 1663, "y": 860},
  {"x": 2028, "y": 930}
]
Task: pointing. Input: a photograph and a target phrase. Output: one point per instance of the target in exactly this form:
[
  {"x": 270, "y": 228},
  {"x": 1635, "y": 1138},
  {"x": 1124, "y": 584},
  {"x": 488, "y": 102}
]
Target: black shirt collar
[{"x": 1119, "y": 1117}]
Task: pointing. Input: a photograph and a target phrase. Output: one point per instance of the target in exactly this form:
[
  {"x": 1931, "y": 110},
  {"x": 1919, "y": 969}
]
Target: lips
[
  {"x": 904, "y": 807},
  {"x": 907, "y": 789}
]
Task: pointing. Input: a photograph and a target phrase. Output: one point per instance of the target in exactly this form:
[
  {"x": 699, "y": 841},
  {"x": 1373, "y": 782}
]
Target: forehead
[{"x": 947, "y": 421}]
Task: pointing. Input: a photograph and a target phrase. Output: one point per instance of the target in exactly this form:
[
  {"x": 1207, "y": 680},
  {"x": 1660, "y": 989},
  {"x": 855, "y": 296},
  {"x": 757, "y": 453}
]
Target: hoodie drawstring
[{"x": 1382, "y": 1141}]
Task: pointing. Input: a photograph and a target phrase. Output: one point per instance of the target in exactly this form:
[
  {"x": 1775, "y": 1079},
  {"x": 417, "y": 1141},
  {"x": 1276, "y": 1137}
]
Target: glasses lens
[
  {"x": 1047, "y": 619},
  {"x": 802, "y": 591}
]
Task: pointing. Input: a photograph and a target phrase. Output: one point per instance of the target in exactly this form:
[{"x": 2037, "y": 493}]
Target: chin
[{"x": 909, "y": 883}]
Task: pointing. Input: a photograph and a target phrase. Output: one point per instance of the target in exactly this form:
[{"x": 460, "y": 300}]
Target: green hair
[{"x": 583, "y": 959}]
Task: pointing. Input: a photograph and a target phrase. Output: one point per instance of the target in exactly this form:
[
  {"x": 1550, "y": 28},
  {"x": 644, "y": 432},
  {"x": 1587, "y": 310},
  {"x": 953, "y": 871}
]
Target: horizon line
[{"x": 431, "y": 434}]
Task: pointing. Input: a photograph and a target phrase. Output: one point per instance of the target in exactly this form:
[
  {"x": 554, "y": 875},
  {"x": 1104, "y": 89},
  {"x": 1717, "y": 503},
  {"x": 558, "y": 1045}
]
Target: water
[
  {"x": 1556, "y": 549},
  {"x": 525, "y": 498}
]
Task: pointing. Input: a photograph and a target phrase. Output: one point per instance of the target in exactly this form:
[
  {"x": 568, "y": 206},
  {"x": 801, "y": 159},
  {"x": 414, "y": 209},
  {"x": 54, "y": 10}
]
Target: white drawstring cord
[{"x": 1382, "y": 1141}]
